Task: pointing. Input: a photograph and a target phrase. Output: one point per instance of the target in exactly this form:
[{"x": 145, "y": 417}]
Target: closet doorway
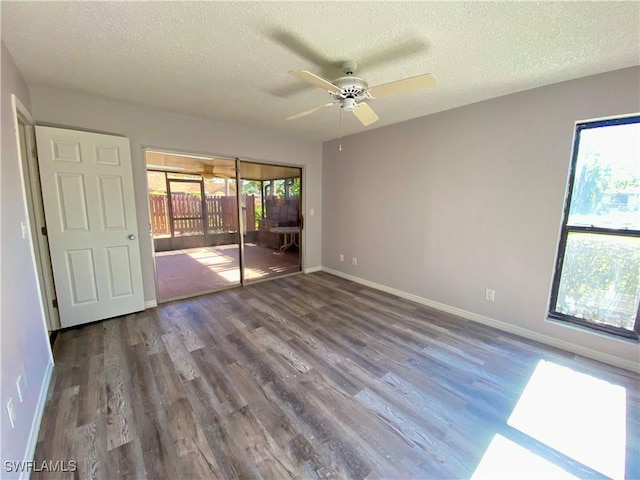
[{"x": 208, "y": 234}]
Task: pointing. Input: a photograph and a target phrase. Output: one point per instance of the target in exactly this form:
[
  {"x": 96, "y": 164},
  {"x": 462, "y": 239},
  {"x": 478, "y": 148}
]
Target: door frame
[
  {"x": 243, "y": 283},
  {"x": 33, "y": 204}
]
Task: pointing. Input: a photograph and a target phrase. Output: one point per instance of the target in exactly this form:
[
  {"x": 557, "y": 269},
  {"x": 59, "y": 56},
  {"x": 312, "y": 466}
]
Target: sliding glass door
[
  {"x": 271, "y": 206},
  {"x": 194, "y": 223},
  {"x": 207, "y": 235}
]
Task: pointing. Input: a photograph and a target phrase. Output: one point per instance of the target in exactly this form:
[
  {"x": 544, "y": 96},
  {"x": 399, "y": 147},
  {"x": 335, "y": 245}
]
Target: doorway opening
[
  {"x": 208, "y": 234},
  {"x": 35, "y": 213}
]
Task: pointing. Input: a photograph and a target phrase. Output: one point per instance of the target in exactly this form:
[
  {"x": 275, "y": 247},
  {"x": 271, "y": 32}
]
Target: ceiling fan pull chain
[{"x": 340, "y": 131}]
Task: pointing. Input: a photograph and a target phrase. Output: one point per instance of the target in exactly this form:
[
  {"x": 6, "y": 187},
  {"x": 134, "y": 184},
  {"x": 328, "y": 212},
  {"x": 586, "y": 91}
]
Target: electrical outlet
[
  {"x": 19, "y": 387},
  {"x": 10, "y": 413},
  {"x": 490, "y": 294},
  {"x": 341, "y": 257},
  {"x": 354, "y": 261}
]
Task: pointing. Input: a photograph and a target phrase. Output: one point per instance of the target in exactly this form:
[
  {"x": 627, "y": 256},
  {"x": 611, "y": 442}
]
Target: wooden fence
[{"x": 221, "y": 214}]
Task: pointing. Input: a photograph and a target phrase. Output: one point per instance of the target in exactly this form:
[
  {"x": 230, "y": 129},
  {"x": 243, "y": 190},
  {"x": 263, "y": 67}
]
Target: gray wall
[
  {"x": 447, "y": 205},
  {"x": 23, "y": 336},
  {"x": 149, "y": 127}
]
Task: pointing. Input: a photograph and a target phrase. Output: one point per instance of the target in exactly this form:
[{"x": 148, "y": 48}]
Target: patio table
[{"x": 290, "y": 236}]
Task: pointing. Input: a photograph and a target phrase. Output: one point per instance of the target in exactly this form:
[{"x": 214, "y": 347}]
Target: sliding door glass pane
[
  {"x": 600, "y": 280},
  {"x": 195, "y": 224},
  {"x": 271, "y": 215}
]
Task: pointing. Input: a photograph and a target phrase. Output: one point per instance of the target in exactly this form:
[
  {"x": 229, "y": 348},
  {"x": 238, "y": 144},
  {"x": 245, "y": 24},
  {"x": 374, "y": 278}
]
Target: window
[{"x": 597, "y": 277}]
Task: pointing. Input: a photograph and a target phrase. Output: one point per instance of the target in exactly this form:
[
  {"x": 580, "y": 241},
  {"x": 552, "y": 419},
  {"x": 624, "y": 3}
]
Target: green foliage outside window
[{"x": 601, "y": 279}]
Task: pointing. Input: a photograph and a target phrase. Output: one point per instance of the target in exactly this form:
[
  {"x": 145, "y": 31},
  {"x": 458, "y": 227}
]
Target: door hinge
[
  {"x": 43, "y": 230},
  {"x": 54, "y": 303}
]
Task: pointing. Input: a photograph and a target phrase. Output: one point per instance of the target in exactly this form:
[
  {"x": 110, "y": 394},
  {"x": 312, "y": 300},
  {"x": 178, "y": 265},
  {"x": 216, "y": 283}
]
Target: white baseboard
[
  {"x": 37, "y": 418},
  {"x": 507, "y": 327},
  {"x": 150, "y": 303},
  {"x": 312, "y": 269}
]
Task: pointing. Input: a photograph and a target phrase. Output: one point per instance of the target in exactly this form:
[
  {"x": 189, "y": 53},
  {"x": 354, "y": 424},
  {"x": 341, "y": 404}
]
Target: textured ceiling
[{"x": 228, "y": 60}]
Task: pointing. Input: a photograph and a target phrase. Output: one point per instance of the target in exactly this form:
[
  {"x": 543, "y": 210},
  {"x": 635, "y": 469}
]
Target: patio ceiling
[
  {"x": 218, "y": 166},
  {"x": 263, "y": 171}
]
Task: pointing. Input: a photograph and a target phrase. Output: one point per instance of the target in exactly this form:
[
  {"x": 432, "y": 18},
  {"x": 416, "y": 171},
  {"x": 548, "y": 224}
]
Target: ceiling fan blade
[
  {"x": 310, "y": 111},
  {"x": 301, "y": 49},
  {"x": 407, "y": 85},
  {"x": 293, "y": 88},
  {"x": 365, "y": 114},
  {"x": 315, "y": 80},
  {"x": 404, "y": 49}
]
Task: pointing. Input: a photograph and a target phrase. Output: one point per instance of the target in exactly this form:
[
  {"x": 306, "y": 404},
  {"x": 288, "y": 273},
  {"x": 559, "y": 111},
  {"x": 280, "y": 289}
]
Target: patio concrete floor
[{"x": 194, "y": 270}]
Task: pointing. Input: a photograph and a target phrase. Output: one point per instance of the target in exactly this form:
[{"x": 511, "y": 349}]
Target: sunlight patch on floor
[
  {"x": 250, "y": 273},
  {"x": 580, "y": 416},
  {"x": 507, "y": 460},
  {"x": 212, "y": 258},
  {"x": 231, "y": 275}
]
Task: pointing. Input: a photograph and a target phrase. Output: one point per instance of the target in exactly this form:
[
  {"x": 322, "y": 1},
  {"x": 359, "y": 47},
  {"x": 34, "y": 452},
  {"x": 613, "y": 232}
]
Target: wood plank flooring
[{"x": 309, "y": 376}]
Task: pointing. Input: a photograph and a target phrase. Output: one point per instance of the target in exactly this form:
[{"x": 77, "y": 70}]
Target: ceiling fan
[{"x": 351, "y": 92}]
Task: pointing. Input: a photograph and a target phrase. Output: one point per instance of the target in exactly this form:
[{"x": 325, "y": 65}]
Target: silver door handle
[{"x": 132, "y": 237}]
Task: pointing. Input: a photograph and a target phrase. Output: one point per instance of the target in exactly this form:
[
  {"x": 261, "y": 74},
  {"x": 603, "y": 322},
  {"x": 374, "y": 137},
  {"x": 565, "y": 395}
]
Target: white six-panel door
[{"x": 87, "y": 189}]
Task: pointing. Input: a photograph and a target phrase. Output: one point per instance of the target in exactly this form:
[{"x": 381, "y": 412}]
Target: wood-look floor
[{"x": 309, "y": 376}]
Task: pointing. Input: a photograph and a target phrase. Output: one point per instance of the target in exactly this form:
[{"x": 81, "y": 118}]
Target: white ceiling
[{"x": 223, "y": 60}]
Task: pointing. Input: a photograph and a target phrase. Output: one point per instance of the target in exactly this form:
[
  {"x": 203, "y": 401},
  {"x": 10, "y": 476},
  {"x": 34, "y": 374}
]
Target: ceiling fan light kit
[
  {"x": 350, "y": 92},
  {"x": 349, "y": 104}
]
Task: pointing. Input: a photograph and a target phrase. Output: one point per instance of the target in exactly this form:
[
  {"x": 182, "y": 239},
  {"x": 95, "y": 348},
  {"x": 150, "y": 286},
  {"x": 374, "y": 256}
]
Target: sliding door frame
[
  {"x": 241, "y": 225},
  {"x": 241, "y": 220}
]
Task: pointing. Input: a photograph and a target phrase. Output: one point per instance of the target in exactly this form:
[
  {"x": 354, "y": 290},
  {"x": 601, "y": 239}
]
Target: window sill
[{"x": 592, "y": 331}]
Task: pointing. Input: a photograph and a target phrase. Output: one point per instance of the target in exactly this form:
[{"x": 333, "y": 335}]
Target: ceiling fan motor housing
[{"x": 351, "y": 88}]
